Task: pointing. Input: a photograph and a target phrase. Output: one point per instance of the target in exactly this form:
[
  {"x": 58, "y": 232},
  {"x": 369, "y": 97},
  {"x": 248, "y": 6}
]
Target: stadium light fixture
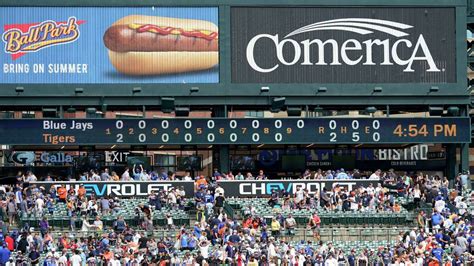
[
  {"x": 434, "y": 89},
  {"x": 19, "y": 89},
  {"x": 50, "y": 113},
  {"x": 294, "y": 111},
  {"x": 278, "y": 104},
  {"x": 378, "y": 89},
  {"x": 181, "y": 111},
  {"x": 322, "y": 89},
  {"x": 318, "y": 109},
  {"x": 194, "y": 90},
  {"x": 435, "y": 110},
  {"x": 91, "y": 110},
  {"x": 79, "y": 90},
  {"x": 136, "y": 90},
  {"x": 264, "y": 89},
  {"x": 167, "y": 104},
  {"x": 371, "y": 109},
  {"x": 453, "y": 111},
  {"x": 71, "y": 110}
]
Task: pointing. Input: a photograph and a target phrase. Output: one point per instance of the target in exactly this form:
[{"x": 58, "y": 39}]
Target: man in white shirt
[
  {"x": 98, "y": 224},
  {"x": 31, "y": 177},
  {"x": 331, "y": 261},
  {"x": 375, "y": 175},
  {"x": 76, "y": 259},
  {"x": 299, "y": 195},
  {"x": 219, "y": 190},
  {"x": 271, "y": 249},
  {"x": 439, "y": 205},
  {"x": 114, "y": 261},
  {"x": 204, "y": 248},
  {"x": 39, "y": 205},
  {"x": 187, "y": 177},
  {"x": 62, "y": 261},
  {"x": 175, "y": 260},
  {"x": 370, "y": 190},
  {"x": 125, "y": 175}
]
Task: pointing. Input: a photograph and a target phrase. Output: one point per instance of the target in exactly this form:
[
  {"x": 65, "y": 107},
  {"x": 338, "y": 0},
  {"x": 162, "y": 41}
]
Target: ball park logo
[
  {"x": 26, "y": 38},
  {"x": 361, "y": 48}
]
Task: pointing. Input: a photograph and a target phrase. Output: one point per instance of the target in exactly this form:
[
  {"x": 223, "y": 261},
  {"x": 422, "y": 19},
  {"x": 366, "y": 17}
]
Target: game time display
[{"x": 234, "y": 131}]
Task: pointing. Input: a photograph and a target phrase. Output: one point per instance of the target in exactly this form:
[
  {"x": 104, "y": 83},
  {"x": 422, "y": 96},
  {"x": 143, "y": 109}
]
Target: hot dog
[{"x": 147, "y": 45}]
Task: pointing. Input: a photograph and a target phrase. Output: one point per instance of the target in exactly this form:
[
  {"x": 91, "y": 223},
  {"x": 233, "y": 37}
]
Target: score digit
[
  {"x": 423, "y": 131},
  {"x": 398, "y": 131}
]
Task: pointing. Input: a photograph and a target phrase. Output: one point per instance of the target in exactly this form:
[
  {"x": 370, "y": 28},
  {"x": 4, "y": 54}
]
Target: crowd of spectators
[{"x": 442, "y": 237}]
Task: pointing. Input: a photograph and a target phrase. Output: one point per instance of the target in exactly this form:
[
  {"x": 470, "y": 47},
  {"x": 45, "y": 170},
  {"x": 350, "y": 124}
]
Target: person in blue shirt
[
  {"x": 458, "y": 261},
  {"x": 184, "y": 241},
  {"x": 309, "y": 250},
  {"x": 137, "y": 171},
  {"x": 437, "y": 252},
  {"x": 436, "y": 219},
  {"x": 153, "y": 176},
  {"x": 216, "y": 174},
  {"x": 439, "y": 236},
  {"x": 329, "y": 175},
  {"x": 464, "y": 179},
  {"x": 342, "y": 175},
  {"x": 351, "y": 259},
  {"x": 4, "y": 254},
  {"x": 192, "y": 242},
  {"x": 199, "y": 196},
  {"x": 469, "y": 241},
  {"x": 104, "y": 243},
  {"x": 163, "y": 174},
  {"x": 208, "y": 198},
  {"x": 264, "y": 235},
  {"x": 197, "y": 230}
]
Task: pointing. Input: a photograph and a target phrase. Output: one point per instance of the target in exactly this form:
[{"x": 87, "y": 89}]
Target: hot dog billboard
[{"x": 109, "y": 45}]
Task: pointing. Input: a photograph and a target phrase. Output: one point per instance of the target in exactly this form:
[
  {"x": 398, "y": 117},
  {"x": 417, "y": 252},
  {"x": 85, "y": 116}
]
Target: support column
[
  {"x": 451, "y": 162},
  {"x": 220, "y": 153},
  {"x": 464, "y": 166}
]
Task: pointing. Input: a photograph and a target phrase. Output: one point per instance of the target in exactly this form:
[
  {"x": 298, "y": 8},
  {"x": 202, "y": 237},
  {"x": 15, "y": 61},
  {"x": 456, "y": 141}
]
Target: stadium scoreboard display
[
  {"x": 234, "y": 131},
  {"x": 293, "y": 47}
]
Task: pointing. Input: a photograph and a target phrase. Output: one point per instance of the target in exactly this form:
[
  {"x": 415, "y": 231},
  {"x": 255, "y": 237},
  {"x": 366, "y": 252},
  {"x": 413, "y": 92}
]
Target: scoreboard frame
[
  {"x": 230, "y": 93},
  {"x": 225, "y": 131}
]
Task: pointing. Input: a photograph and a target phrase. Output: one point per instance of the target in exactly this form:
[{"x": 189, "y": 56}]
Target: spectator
[
  {"x": 34, "y": 256},
  {"x": 4, "y": 254},
  {"x": 12, "y": 211},
  {"x": 275, "y": 227},
  {"x": 290, "y": 225}
]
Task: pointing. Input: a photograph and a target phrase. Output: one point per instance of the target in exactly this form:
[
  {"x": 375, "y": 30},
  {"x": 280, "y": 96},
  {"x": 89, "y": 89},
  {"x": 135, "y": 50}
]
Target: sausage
[{"x": 122, "y": 38}]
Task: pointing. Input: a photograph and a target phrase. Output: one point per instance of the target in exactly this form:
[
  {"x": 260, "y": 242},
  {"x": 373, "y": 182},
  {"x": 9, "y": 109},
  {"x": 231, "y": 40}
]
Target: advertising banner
[
  {"x": 109, "y": 45},
  {"x": 343, "y": 45},
  {"x": 263, "y": 188},
  {"x": 122, "y": 189},
  {"x": 422, "y": 157}
]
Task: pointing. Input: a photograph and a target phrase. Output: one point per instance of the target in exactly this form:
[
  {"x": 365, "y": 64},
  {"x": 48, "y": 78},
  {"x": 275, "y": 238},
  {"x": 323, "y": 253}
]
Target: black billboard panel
[{"x": 343, "y": 45}]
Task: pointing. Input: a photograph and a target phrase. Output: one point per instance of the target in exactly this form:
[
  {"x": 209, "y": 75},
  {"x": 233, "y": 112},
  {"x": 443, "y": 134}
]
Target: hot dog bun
[
  {"x": 134, "y": 53},
  {"x": 155, "y": 63}
]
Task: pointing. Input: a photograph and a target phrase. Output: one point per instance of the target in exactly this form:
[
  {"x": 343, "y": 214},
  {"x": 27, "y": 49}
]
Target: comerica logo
[{"x": 312, "y": 52}]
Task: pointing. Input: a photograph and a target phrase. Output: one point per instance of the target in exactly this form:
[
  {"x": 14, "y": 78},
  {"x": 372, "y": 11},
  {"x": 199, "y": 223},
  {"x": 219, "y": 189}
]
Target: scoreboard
[{"x": 234, "y": 131}]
